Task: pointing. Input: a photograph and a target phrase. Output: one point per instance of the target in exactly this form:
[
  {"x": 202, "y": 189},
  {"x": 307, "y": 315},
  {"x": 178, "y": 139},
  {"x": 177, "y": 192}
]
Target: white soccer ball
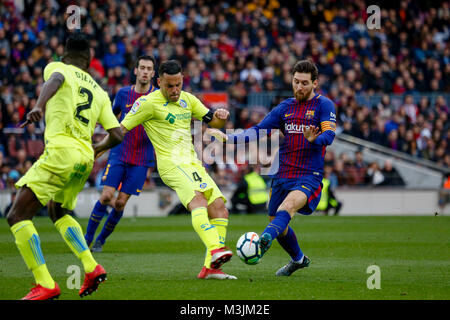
[{"x": 247, "y": 248}]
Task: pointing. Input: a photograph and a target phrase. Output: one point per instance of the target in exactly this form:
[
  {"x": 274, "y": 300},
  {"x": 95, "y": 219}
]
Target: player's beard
[
  {"x": 302, "y": 97},
  {"x": 143, "y": 83}
]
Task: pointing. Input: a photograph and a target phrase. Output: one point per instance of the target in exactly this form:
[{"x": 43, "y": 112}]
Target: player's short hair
[
  {"x": 77, "y": 44},
  {"x": 145, "y": 57},
  {"x": 306, "y": 66},
  {"x": 169, "y": 67}
]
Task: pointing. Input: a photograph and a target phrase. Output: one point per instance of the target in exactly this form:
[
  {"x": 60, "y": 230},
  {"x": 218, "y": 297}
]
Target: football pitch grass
[{"x": 159, "y": 259}]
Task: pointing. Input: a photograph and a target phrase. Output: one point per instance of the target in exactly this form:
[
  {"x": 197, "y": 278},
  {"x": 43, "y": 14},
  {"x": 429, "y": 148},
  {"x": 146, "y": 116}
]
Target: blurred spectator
[
  {"x": 248, "y": 47},
  {"x": 113, "y": 58},
  {"x": 374, "y": 176},
  {"x": 444, "y": 193},
  {"x": 358, "y": 169},
  {"x": 391, "y": 175}
]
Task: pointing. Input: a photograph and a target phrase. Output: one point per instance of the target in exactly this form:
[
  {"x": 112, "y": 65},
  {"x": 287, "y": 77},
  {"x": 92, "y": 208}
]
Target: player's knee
[
  {"x": 12, "y": 218},
  {"x": 106, "y": 198},
  {"x": 198, "y": 201},
  {"x": 218, "y": 210},
  {"x": 222, "y": 212},
  {"x": 119, "y": 204},
  {"x": 289, "y": 207},
  {"x": 292, "y": 205}
]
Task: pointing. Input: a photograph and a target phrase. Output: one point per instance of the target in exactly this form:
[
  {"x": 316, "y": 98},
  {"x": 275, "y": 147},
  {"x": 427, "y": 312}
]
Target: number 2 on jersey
[{"x": 85, "y": 105}]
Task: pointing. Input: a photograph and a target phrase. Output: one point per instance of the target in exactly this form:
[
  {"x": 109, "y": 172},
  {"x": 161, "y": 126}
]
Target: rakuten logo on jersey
[{"x": 294, "y": 128}]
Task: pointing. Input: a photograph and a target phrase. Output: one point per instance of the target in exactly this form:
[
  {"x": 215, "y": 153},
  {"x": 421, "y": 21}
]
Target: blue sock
[
  {"x": 279, "y": 224},
  {"x": 290, "y": 244},
  {"x": 110, "y": 224},
  {"x": 97, "y": 215}
]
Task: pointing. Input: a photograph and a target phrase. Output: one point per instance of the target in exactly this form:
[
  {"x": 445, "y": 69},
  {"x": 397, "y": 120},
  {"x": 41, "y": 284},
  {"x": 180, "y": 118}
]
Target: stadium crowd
[{"x": 244, "y": 47}]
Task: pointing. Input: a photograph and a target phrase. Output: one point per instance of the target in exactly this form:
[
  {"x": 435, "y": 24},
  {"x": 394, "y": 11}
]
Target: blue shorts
[
  {"x": 128, "y": 177},
  {"x": 311, "y": 185}
]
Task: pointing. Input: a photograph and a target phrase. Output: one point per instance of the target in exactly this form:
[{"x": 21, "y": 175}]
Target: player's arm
[
  {"x": 116, "y": 106},
  {"x": 113, "y": 138},
  {"x": 108, "y": 120},
  {"x": 123, "y": 129},
  {"x": 325, "y": 134},
  {"x": 49, "y": 88},
  {"x": 216, "y": 119},
  {"x": 141, "y": 111},
  {"x": 270, "y": 121}
]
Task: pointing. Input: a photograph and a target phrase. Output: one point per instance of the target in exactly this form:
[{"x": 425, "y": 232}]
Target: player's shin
[
  {"x": 290, "y": 244},
  {"x": 273, "y": 230},
  {"x": 221, "y": 225},
  {"x": 279, "y": 224},
  {"x": 110, "y": 224},
  {"x": 96, "y": 216},
  {"x": 29, "y": 245},
  {"x": 72, "y": 234},
  {"x": 205, "y": 230}
]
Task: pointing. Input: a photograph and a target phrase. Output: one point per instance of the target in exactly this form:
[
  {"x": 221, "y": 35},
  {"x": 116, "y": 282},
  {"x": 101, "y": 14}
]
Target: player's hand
[
  {"x": 311, "y": 133},
  {"x": 98, "y": 154},
  {"x": 35, "y": 115},
  {"x": 222, "y": 114},
  {"x": 219, "y": 135}
]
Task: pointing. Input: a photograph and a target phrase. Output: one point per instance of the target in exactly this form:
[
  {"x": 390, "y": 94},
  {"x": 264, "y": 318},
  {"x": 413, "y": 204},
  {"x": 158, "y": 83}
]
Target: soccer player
[
  {"x": 308, "y": 122},
  {"x": 166, "y": 115},
  {"x": 128, "y": 162},
  {"x": 73, "y": 103}
]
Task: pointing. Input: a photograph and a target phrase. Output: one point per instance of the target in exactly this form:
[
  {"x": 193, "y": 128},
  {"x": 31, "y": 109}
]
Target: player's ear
[
  {"x": 315, "y": 83},
  {"x": 159, "y": 82},
  {"x": 135, "y": 71}
]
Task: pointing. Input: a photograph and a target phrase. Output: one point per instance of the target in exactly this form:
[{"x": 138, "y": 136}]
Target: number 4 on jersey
[{"x": 196, "y": 176}]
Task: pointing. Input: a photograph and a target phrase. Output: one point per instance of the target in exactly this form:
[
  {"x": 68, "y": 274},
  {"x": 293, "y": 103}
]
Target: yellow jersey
[
  {"x": 72, "y": 113},
  {"x": 168, "y": 126}
]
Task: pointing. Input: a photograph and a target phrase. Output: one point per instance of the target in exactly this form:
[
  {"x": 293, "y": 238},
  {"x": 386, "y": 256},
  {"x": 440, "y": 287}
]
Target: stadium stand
[{"x": 391, "y": 85}]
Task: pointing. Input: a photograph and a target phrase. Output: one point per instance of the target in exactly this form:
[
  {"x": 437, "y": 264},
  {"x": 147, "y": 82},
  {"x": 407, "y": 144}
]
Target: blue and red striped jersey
[
  {"x": 297, "y": 156},
  {"x": 136, "y": 148}
]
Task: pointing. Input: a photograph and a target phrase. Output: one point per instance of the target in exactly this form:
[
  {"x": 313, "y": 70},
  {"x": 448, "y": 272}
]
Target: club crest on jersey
[
  {"x": 135, "y": 107},
  {"x": 309, "y": 114},
  {"x": 203, "y": 185},
  {"x": 183, "y": 103}
]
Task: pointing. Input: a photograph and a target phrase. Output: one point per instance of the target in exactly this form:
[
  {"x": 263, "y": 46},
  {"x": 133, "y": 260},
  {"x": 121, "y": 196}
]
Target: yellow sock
[
  {"x": 29, "y": 245},
  {"x": 221, "y": 225},
  {"x": 207, "y": 232},
  {"x": 71, "y": 232}
]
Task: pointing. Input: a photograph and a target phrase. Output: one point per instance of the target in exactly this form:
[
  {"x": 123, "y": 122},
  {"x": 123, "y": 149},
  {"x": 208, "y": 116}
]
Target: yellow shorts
[
  {"x": 58, "y": 175},
  {"x": 185, "y": 179}
]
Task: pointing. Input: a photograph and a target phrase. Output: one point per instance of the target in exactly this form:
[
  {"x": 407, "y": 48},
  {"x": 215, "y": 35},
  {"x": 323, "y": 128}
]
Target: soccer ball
[{"x": 247, "y": 248}]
